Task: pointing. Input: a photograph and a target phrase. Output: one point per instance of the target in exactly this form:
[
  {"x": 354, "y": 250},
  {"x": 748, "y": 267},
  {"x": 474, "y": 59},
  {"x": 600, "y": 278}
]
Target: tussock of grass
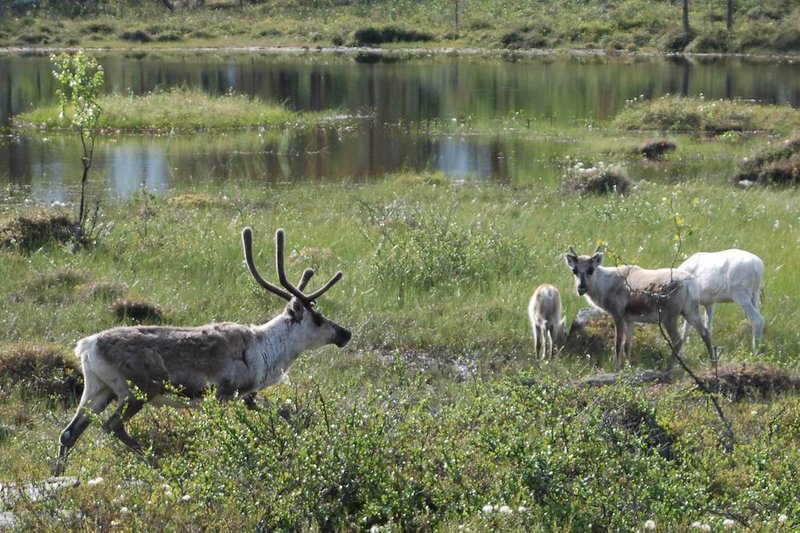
[
  {"x": 137, "y": 311},
  {"x": 713, "y": 117},
  {"x": 173, "y": 110},
  {"x": 749, "y": 381},
  {"x": 779, "y": 166},
  {"x": 27, "y": 232},
  {"x": 599, "y": 179},
  {"x": 40, "y": 370}
]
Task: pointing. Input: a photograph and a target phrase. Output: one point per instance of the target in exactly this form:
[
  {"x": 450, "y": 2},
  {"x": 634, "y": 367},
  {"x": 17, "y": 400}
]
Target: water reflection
[{"x": 401, "y": 99}]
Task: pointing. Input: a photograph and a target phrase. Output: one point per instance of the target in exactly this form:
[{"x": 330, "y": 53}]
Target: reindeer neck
[{"x": 276, "y": 347}]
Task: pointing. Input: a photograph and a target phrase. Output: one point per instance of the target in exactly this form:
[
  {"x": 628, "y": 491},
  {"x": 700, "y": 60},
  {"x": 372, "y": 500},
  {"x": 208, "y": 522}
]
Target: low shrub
[
  {"x": 136, "y": 36},
  {"x": 423, "y": 249},
  {"x": 371, "y": 36}
]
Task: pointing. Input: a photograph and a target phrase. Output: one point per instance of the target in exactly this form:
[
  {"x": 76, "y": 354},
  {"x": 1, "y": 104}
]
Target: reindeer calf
[{"x": 544, "y": 311}]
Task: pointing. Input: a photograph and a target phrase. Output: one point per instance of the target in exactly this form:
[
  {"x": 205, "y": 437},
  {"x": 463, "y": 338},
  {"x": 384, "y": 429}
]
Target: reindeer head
[
  {"x": 300, "y": 307},
  {"x": 583, "y": 266}
]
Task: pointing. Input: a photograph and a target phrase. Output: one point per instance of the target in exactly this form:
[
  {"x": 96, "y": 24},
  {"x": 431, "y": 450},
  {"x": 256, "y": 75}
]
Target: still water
[{"x": 410, "y": 115}]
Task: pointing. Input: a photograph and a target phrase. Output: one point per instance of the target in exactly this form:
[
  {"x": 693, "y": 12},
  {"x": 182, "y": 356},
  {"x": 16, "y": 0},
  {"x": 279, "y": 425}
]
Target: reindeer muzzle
[{"x": 343, "y": 336}]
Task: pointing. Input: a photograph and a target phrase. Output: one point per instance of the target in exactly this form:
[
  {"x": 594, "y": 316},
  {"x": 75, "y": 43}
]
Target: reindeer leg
[
  {"x": 96, "y": 397},
  {"x": 676, "y": 339},
  {"x": 127, "y": 408},
  {"x": 628, "y": 342},
  {"x": 756, "y": 320},
  {"x": 696, "y": 322},
  {"x": 619, "y": 340}
]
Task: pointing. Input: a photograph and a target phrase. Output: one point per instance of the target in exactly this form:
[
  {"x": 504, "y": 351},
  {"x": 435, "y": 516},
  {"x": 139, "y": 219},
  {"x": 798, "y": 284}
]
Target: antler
[
  {"x": 247, "y": 243},
  {"x": 291, "y": 290},
  {"x": 307, "y": 299}
]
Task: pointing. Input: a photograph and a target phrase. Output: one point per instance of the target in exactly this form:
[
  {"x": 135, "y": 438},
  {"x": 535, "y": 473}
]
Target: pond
[{"x": 410, "y": 116}]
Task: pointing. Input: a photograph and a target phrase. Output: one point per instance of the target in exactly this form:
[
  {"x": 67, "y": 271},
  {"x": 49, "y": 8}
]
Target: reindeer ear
[
  {"x": 296, "y": 310},
  {"x": 571, "y": 257},
  {"x": 597, "y": 259}
]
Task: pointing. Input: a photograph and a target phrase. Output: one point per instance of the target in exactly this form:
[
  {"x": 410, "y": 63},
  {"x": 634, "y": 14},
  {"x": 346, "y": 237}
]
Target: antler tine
[
  {"x": 307, "y": 273},
  {"x": 571, "y": 250},
  {"x": 247, "y": 243},
  {"x": 319, "y": 292},
  {"x": 297, "y": 292}
]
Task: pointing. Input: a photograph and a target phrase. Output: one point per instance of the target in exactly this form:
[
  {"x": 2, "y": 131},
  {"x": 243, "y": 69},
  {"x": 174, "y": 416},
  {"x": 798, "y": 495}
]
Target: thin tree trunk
[
  {"x": 686, "y": 28},
  {"x": 730, "y": 15}
]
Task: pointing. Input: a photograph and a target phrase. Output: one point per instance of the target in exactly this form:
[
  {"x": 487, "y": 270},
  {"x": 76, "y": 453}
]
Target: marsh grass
[
  {"x": 436, "y": 408},
  {"x": 178, "y": 109},
  {"x": 711, "y": 117}
]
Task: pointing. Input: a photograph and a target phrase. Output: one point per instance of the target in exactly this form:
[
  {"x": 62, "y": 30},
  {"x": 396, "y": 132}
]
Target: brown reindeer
[
  {"x": 632, "y": 294},
  {"x": 141, "y": 364}
]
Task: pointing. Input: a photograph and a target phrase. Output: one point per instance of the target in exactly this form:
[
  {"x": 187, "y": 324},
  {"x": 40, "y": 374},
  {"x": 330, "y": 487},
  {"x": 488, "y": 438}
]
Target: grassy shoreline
[{"x": 626, "y": 26}]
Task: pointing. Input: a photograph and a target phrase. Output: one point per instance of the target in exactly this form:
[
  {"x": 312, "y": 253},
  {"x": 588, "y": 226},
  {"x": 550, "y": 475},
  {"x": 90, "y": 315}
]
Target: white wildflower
[
  {"x": 124, "y": 511},
  {"x": 95, "y": 481},
  {"x": 488, "y": 508},
  {"x": 728, "y": 523},
  {"x": 650, "y": 525},
  {"x": 186, "y": 498},
  {"x": 782, "y": 518},
  {"x": 505, "y": 509}
]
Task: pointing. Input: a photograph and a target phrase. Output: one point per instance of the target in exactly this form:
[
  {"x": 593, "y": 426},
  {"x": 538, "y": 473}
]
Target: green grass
[
  {"x": 436, "y": 408},
  {"x": 176, "y": 110}
]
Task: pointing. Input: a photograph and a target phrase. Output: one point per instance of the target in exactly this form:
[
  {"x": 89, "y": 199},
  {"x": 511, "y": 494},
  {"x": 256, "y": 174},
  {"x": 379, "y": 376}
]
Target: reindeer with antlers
[{"x": 234, "y": 359}]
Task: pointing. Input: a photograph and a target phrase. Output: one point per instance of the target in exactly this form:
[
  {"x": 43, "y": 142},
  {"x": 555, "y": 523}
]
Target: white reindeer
[
  {"x": 632, "y": 294},
  {"x": 143, "y": 364},
  {"x": 729, "y": 276},
  {"x": 544, "y": 311}
]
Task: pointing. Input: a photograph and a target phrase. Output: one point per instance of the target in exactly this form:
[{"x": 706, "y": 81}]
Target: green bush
[{"x": 371, "y": 36}]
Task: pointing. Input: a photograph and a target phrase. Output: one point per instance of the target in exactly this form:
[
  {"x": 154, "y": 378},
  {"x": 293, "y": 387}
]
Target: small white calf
[
  {"x": 729, "y": 276},
  {"x": 548, "y": 325}
]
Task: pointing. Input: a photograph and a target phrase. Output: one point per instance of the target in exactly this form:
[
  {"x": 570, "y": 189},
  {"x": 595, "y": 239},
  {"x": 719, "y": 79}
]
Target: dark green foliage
[
  {"x": 40, "y": 370},
  {"x": 101, "y": 28},
  {"x": 137, "y": 36},
  {"x": 717, "y": 42},
  {"x": 372, "y": 35}
]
